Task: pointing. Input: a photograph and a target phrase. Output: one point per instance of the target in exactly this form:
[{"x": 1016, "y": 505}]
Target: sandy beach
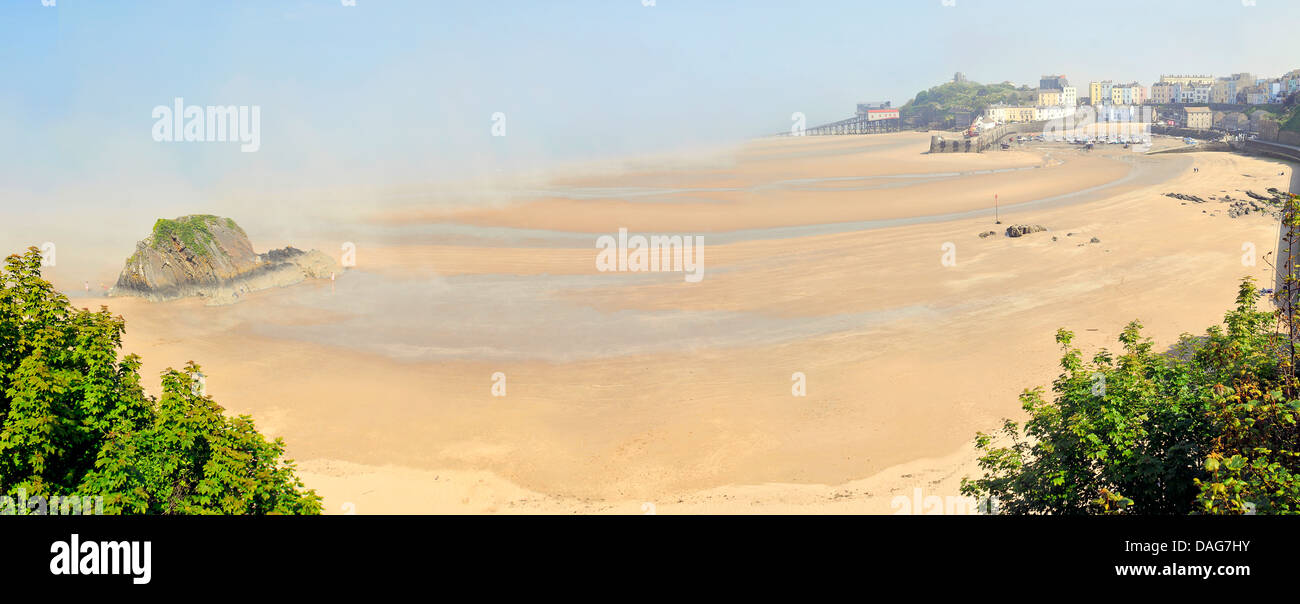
[{"x": 631, "y": 392}]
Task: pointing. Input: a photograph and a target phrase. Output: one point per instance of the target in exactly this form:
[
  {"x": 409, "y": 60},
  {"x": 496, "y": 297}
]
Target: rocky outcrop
[
  {"x": 1241, "y": 207},
  {"x": 1270, "y": 205},
  {"x": 1020, "y": 230},
  {"x": 211, "y": 257},
  {"x": 1191, "y": 198}
]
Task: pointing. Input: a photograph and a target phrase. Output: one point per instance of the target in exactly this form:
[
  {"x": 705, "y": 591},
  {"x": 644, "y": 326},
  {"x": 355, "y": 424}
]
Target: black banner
[{"x": 139, "y": 554}]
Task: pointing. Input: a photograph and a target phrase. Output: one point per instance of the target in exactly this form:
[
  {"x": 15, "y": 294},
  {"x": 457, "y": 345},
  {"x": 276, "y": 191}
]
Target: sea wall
[{"x": 986, "y": 140}]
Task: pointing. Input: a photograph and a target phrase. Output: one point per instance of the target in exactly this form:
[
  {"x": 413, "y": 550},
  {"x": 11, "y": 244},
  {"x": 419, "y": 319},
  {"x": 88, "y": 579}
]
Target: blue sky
[{"x": 392, "y": 91}]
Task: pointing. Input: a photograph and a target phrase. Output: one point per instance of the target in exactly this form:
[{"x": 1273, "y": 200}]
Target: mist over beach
[{"x": 822, "y": 326}]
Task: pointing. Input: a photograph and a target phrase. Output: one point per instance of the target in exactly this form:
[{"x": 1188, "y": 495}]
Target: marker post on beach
[{"x": 996, "y": 220}]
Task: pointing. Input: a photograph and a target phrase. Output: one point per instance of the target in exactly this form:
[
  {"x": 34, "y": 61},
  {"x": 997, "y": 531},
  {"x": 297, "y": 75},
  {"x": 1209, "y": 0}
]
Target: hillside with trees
[
  {"x": 938, "y": 104},
  {"x": 1290, "y": 119}
]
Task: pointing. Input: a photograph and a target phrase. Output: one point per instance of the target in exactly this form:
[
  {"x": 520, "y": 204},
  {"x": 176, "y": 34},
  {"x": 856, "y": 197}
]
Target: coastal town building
[
  {"x": 1131, "y": 102},
  {"x": 1070, "y": 96},
  {"x": 1106, "y": 92},
  {"x": 1292, "y": 81},
  {"x": 1222, "y": 90},
  {"x": 1010, "y": 114},
  {"x": 1192, "y": 94},
  {"x": 1021, "y": 114},
  {"x": 1128, "y": 94},
  {"x": 1100, "y": 92},
  {"x": 1238, "y": 83},
  {"x": 1054, "y": 112},
  {"x": 1275, "y": 90},
  {"x": 1197, "y": 117},
  {"x": 1053, "y": 82},
  {"x": 1162, "y": 93},
  {"x": 1188, "y": 80}
]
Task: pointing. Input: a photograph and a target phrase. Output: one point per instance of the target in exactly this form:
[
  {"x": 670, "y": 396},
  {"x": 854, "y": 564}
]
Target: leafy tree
[
  {"x": 940, "y": 101},
  {"x": 1207, "y": 427},
  {"x": 75, "y": 421}
]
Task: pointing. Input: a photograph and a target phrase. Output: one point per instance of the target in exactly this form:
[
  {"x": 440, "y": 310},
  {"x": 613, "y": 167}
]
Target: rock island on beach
[{"x": 211, "y": 257}]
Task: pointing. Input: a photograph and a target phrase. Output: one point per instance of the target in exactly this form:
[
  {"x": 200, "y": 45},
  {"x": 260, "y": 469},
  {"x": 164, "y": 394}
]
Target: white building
[
  {"x": 1070, "y": 96},
  {"x": 1054, "y": 112},
  {"x": 1193, "y": 94}
]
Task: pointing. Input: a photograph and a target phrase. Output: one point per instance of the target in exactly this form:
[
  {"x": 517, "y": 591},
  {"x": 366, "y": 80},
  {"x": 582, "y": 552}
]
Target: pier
[{"x": 871, "y": 118}]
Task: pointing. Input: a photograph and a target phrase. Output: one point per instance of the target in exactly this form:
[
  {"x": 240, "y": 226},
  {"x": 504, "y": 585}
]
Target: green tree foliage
[
  {"x": 1209, "y": 426},
  {"x": 195, "y": 231},
  {"x": 1291, "y": 113},
  {"x": 940, "y": 101},
  {"x": 74, "y": 419}
]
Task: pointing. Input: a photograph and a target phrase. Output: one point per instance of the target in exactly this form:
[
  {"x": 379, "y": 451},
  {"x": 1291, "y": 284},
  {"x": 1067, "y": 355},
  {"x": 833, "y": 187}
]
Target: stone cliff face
[{"x": 211, "y": 257}]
